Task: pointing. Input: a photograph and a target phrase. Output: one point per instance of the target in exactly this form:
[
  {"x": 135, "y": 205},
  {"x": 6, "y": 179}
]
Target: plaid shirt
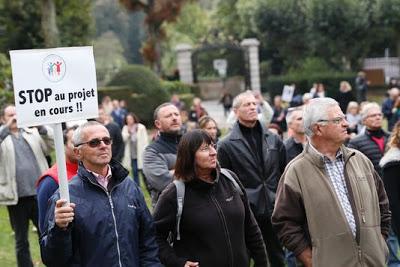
[{"x": 335, "y": 170}]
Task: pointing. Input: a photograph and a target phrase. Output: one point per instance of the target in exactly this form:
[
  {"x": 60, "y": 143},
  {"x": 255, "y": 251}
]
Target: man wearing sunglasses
[
  {"x": 107, "y": 222},
  {"x": 331, "y": 208}
]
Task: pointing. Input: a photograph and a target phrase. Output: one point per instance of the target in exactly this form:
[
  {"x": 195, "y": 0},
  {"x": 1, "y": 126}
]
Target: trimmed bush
[
  {"x": 6, "y": 97},
  {"x": 141, "y": 89}
]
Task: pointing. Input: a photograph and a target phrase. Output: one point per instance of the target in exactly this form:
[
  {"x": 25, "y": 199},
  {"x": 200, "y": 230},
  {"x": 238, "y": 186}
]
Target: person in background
[
  {"x": 258, "y": 158},
  {"x": 136, "y": 139},
  {"x": 217, "y": 227},
  {"x": 209, "y": 125},
  {"x": 390, "y": 164},
  {"x": 196, "y": 111},
  {"x": 295, "y": 143},
  {"x": 160, "y": 156},
  {"x": 344, "y": 96},
  {"x": 118, "y": 114},
  {"x": 275, "y": 129},
  {"x": 331, "y": 208},
  {"x": 107, "y": 104},
  {"x": 389, "y": 108},
  {"x": 118, "y": 146},
  {"x": 353, "y": 118},
  {"x": 177, "y": 102},
  {"x": 264, "y": 110},
  {"x": 320, "y": 91},
  {"x": 279, "y": 113},
  {"x": 372, "y": 144},
  {"x": 306, "y": 98},
  {"x": 361, "y": 84},
  {"x": 47, "y": 183},
  {"x": 226, "y": 101},
  {"x": 22, "y": 160}
]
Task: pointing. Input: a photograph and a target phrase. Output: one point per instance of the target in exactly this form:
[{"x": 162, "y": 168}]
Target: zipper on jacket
[
  {"x": 225, "y": 227},
  {"x": 115, "y": 228},
  {"x": 113, "y": 215},
  {"x": 359, "y": 252}
]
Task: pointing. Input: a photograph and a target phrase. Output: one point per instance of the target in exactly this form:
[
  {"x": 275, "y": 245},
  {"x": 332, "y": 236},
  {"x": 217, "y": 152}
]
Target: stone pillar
[
  {"x": 184, "y": 60},
  {"x": 251, "y": 46}
]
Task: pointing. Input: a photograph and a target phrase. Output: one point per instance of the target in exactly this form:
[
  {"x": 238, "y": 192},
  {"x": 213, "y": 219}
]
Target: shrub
[
  {"x": 141, "y": 89},
  {"x": 6, "y": 97}
]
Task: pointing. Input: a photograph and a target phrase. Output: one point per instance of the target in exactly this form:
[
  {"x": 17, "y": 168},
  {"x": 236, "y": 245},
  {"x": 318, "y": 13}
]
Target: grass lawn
[{"x": 7, "y": 251}]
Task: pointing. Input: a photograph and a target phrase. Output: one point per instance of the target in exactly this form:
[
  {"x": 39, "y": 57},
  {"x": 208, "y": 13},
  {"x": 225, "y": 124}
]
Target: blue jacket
[{"x": 111, "y": 227}]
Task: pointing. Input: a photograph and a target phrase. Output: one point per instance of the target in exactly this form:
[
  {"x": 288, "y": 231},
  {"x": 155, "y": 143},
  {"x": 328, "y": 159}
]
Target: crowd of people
[{"x": 312, "y": 182}]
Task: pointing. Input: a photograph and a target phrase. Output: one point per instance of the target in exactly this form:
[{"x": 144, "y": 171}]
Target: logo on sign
[{"x": 54, "y": 68}]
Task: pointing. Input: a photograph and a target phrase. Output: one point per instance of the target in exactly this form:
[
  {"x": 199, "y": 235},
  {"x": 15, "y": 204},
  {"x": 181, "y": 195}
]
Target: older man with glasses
[
  {"x": 107, "y": 222},
  {"x": 331, "y": 207}
]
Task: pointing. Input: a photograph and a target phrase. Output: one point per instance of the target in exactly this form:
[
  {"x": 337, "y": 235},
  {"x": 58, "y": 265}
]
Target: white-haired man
[{"x": 331, "y": 207}]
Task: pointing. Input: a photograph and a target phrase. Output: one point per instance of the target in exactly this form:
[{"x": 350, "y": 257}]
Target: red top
[
  {"x": 72, "y": 169},
  {"x": 380, "y": 141}
]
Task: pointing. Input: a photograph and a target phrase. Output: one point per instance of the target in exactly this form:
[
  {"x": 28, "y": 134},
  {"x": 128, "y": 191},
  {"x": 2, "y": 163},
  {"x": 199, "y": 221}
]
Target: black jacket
[
  {"x": 217, "y": 226},
  {"x": 369, "y": 148},
  {"x": 260, "y": 181},
  {"x": 109, "y": 226},
  {"x": 118, "y": 145},
  {"x": 390, "y": 164},
  {"x": 293, "y": 149}
]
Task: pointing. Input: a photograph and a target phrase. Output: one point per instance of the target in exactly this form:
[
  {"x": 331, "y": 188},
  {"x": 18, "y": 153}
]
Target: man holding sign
[
  {"x": 22, "y": 160},
  {"x": 107, "y": 222}
]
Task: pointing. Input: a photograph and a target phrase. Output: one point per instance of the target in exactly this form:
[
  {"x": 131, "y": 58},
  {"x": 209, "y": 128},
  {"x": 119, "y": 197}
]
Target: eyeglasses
[
  {"x": 337, "y": 120},
  {"x": 96, "y": 142},
  {"x": 207, "y": 147}
]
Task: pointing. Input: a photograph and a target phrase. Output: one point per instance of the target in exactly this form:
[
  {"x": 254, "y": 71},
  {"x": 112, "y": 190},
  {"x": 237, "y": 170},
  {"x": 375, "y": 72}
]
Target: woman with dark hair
[
  {"x": 135, "y": 138},
  {"x": 217, "y": 227},
  {"x": 209, "y": 125}
]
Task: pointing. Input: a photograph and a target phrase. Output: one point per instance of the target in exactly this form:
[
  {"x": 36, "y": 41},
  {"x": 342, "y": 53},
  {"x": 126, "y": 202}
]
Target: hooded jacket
[
  {"x": 111, "y": 227},
  {"x": 308, "y": 213}
]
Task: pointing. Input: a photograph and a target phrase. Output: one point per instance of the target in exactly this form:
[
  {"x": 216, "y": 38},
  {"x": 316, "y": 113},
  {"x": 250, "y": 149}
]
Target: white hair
[
  {"x": 77, "y": 135},
  {"x": 315, "y": 111},
  {"x": 237, "y": 101},
  {"x": 367, "y": 107}
]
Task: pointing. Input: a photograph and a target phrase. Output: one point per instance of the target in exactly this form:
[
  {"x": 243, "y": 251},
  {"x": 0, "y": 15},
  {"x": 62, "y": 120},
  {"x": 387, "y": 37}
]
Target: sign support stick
[{"x": 60, "y": 157}]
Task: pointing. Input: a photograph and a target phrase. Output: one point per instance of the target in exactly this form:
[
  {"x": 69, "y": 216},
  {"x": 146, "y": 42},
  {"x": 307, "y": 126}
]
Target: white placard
[
  {"x": 221, "y": 66},
  {"x": 54, "y": 85},
  {"x": 287, "y": 93}
]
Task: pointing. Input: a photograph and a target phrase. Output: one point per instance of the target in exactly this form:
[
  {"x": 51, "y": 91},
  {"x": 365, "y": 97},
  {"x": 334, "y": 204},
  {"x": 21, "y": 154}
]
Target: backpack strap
[
  {"x": 228, "y": 175},
  {"x": 180, "y": 197}
]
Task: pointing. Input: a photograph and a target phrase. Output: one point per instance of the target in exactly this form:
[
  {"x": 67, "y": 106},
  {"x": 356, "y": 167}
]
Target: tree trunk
[{"x": 49, "y": 23}]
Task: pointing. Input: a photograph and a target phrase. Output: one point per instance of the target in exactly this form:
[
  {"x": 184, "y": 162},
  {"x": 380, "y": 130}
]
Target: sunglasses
[{"x": 96, "y": 142}]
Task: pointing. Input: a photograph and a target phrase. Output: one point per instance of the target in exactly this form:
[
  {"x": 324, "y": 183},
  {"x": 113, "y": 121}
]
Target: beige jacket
[
  {"x": 142, "y": 142},
  {"x": 308, "y": 213},
  {"x": 40, "y": 148}
]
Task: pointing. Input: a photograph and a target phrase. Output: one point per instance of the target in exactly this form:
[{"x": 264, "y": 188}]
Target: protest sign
[
  {"x": 287, "y": 93},
  {"x": 53, "y": 86}
]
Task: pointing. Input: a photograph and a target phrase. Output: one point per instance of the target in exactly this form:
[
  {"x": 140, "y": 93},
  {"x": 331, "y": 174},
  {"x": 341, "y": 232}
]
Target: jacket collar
[
  {"x": 170, "y": 137},
  {"x": 119, "y": 173},
  {"x": 318, "y": 159},
  {"x": 393, "y": 154},
  {"x": 236, "y": 133}
]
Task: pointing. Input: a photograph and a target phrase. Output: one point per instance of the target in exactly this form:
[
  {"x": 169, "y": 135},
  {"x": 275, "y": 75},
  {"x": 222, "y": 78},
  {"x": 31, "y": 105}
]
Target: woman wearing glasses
[{"x": 217, "y": 227}]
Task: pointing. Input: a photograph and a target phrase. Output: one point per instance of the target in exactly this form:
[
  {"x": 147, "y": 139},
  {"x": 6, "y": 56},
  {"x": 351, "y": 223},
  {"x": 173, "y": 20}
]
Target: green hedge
[
  {"x": 6, "y": 97},
  {"x": 274, "y": 84},
  {"x": 140, "y": 87}
]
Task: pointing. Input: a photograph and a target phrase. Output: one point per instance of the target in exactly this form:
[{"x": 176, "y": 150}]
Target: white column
[
  {"x": 251, "y": 46},
  {"x": 184, "y": 60}
]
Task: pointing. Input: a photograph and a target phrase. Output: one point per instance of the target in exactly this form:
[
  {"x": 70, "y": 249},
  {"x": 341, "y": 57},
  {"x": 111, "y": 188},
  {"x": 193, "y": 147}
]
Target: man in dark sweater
[
  {"x": 159, "y": 157},
  {"x": 258, "y": 157}
]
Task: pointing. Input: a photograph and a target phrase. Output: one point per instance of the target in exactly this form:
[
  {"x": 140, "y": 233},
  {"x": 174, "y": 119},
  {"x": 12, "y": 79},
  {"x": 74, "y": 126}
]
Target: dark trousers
[
  {"x": 135, "y": 171},
  {"x": 20, "y": 214},
  {"x": 275, "y": 252}
]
